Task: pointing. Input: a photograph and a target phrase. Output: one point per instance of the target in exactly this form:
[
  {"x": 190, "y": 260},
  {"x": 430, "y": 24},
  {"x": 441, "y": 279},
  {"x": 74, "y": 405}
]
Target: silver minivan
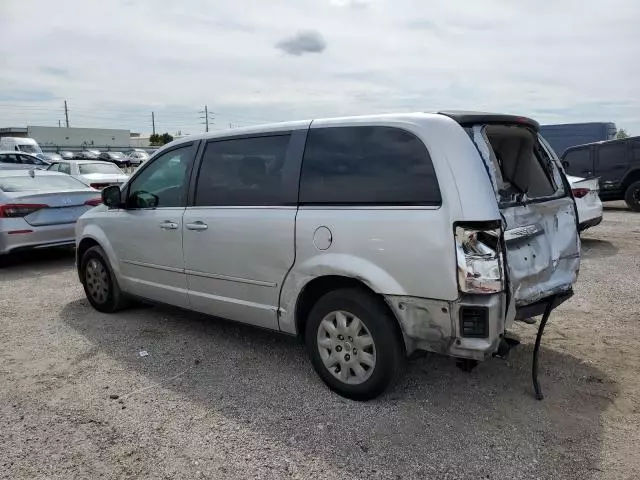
[{"x": 368, "y": 237}]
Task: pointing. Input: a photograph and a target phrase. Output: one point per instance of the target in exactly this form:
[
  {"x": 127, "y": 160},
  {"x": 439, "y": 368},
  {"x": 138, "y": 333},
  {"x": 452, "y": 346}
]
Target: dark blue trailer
[{"x": 563, "y": 136}]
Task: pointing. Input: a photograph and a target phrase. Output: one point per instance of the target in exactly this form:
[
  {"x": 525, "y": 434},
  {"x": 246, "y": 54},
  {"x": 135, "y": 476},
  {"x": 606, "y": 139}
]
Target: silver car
[
  {"x": 95, "y": 173},
  {"x": 367, "y": 237},
  {"x": 40, "y": 208},
  {"x": 10, "y": 160}
]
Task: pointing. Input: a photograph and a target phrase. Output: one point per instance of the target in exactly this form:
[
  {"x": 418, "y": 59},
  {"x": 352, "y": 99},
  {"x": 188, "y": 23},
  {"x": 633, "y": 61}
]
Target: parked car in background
[
  {"x": 616, "y": 163},
  {"x": 19, "y": 160},
  {"x": 21, "y": 144},
  {"x": 52, "y": 157},
  {"x": 137, "y": 157},
  {"x": 585, "y": 193},
  {"x": 96, "y": 174},
  {"x": 118, "y": 158},
  {"x": 369, "y": 237},
  {"x": 66, "y": 155},
  {"x": 87, "y": 155},
  {"x": 39, "y": 208}
]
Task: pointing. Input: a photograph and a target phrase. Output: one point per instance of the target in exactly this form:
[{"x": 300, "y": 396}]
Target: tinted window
[
  {"x": 246, "y": 171},
  {"x": 635, "y": 146},
  {"x": 577, "y": 161},
  {"x": 65, "y": 168},
  {"x": 164, "y": 182},
  {"x": 367, "y": 165},
  {"x": 9, "y": 158},
  {"x": 612, "y": 154}
]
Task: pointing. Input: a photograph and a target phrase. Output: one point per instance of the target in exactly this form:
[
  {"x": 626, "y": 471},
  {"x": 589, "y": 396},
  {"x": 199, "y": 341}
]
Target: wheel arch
[
  {"x": 632, "y": 176},
  {"x": 319, "y": 286}
]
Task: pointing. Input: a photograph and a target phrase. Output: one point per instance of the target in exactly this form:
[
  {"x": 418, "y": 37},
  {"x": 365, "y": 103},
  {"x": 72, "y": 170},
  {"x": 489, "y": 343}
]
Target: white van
[
  {"x": 367, "y": 237},
  {"x": 21, "y": 144}
]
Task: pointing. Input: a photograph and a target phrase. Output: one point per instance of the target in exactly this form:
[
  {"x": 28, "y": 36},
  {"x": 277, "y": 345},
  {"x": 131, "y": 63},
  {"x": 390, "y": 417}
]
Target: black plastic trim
[{"x": 466, "y": 118}]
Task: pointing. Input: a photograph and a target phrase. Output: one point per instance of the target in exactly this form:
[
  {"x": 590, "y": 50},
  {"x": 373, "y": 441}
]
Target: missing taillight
[
  {"x": 580, "y": 192},
  {"x": 479, "y": 257},
  {"x": 17, "y": 210}
]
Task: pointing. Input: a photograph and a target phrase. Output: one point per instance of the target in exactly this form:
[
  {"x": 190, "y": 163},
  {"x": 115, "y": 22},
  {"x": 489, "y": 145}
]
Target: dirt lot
[{"x": 219, "y": 400}]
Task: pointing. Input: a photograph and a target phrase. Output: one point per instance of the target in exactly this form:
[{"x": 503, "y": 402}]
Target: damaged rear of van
[{"x": 471, "y": 227}]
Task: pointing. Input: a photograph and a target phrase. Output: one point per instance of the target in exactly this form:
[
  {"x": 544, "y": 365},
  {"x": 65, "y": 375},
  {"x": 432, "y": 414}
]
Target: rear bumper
[
  {"x": 442, "y": 327},
  {"x": 38, "y": 237},
  {"x": 590, "y": 223}
]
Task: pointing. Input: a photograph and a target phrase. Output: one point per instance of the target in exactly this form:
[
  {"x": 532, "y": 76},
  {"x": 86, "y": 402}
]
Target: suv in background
[
  {"x": 367, "y": 237},
  {"x": 615, "y": 162}
]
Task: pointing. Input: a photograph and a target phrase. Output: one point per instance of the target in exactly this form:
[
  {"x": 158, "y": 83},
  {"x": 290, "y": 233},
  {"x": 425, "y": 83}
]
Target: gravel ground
[{"x": 219, "y": 400}]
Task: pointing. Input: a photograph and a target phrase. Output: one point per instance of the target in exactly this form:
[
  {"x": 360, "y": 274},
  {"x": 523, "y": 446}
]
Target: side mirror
[{"x": 111, "y": 196}]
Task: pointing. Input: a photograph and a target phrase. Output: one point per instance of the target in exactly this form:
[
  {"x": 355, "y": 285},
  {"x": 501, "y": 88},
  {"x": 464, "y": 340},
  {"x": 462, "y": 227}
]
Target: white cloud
[{"x": 569, "y": 61}]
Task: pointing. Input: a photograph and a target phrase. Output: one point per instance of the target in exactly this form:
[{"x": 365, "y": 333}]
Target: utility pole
[
  {"x": 66, "y": 113},
  {"x": 206, "y": 118},
  {"x": 153, "y": 122}
]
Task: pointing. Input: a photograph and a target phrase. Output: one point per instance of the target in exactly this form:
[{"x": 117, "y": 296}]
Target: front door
[
  {"x": 147, "y": 234},
  {"x": 239, "y": 235}
]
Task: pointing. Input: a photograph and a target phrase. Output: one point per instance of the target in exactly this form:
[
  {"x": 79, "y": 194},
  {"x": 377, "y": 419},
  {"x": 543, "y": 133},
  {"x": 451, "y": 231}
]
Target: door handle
[
  {"x": 167, "y": 225},
  {"x": 198, "y": 225}
]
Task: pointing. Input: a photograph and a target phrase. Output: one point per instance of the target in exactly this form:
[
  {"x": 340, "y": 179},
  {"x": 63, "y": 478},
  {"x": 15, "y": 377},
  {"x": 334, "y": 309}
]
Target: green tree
[
  {"x": 157, "y": 140},
  {"x": 622, "y": 133}
]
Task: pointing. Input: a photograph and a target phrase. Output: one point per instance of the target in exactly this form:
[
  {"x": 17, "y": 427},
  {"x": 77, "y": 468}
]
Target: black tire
[
  {"x": 373, "y": 313},
  {"x": 112, "y": 299},
  {"x": 632, "y": 196}
]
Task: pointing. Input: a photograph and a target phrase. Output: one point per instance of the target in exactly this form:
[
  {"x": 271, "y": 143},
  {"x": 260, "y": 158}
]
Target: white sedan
[
  {"x": 96, "y": 173},
  {"x": 586, "y": 191}
]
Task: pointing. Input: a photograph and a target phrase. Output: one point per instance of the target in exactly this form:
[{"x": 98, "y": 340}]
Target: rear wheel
[
  {"x": 100, "y": 285},
  {"x": 353, "y": 344},
  {"x": 632, "y": 196}
]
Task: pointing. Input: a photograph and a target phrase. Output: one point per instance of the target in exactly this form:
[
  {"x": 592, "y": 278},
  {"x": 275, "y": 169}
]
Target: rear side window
[
  {"x": 578, "y": 161},
  {"x": 243, "y": 172},
  {"x": 612, "y": 154},
  {"x": 367, "y": 166},
  {"x": 64, "y": 168}
]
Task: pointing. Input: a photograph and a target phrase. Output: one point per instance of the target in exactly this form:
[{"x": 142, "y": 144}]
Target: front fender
[
  {"x": 344, "y": 265},
  {"x": 95, "y": 233}
]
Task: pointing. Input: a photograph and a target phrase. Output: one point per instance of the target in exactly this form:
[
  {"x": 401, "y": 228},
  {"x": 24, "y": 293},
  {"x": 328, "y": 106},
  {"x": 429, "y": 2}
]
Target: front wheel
[
  {"x": 100, "y": 285},
  {"x": 354, "y": 344},
  {"x": 632, "y": 196}
]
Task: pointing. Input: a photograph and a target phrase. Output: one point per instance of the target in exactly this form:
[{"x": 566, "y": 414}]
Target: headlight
[{"x": 480, "y": 264}]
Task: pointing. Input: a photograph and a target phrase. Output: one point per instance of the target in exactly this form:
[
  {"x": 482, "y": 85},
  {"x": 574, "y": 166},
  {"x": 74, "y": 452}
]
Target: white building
[{"x": 71, "y": 137}]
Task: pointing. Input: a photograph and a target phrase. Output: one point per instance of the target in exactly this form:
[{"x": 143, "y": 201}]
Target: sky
[{"x": 250, "y": 62}]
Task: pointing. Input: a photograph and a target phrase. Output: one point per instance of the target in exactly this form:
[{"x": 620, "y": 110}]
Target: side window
[
  {"x": 578, "y": 161},
  {"x": 367, "y": 166},
  {"x": 635, "y": 149},
  {"x": 27, "y": 160},
  {"x": 9, "y": 158},
  {"x": 164, "y": 182},
  {"x": 65, "y": 168},
  {"x": 54, "y": 167},
  {"x": 243, "y": 171},
  {"x": 612, "y": 155}
]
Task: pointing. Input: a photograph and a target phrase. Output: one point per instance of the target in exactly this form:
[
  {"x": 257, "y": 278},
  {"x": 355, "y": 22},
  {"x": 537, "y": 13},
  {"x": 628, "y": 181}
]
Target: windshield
[
  {"x": 29, "y": 148},
  {"x": 90, "y": 154},
  {"x": 85, "y": 168},
  {"x": 39, "y": 183},
  {"x": 116, "y": 155}
]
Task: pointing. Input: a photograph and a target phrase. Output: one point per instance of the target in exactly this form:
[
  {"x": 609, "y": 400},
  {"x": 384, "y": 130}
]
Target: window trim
[
  {"x": 374, "y": 204},
  {"x": 292, "y": 166},
  {"x": 193, "y": 144}
]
